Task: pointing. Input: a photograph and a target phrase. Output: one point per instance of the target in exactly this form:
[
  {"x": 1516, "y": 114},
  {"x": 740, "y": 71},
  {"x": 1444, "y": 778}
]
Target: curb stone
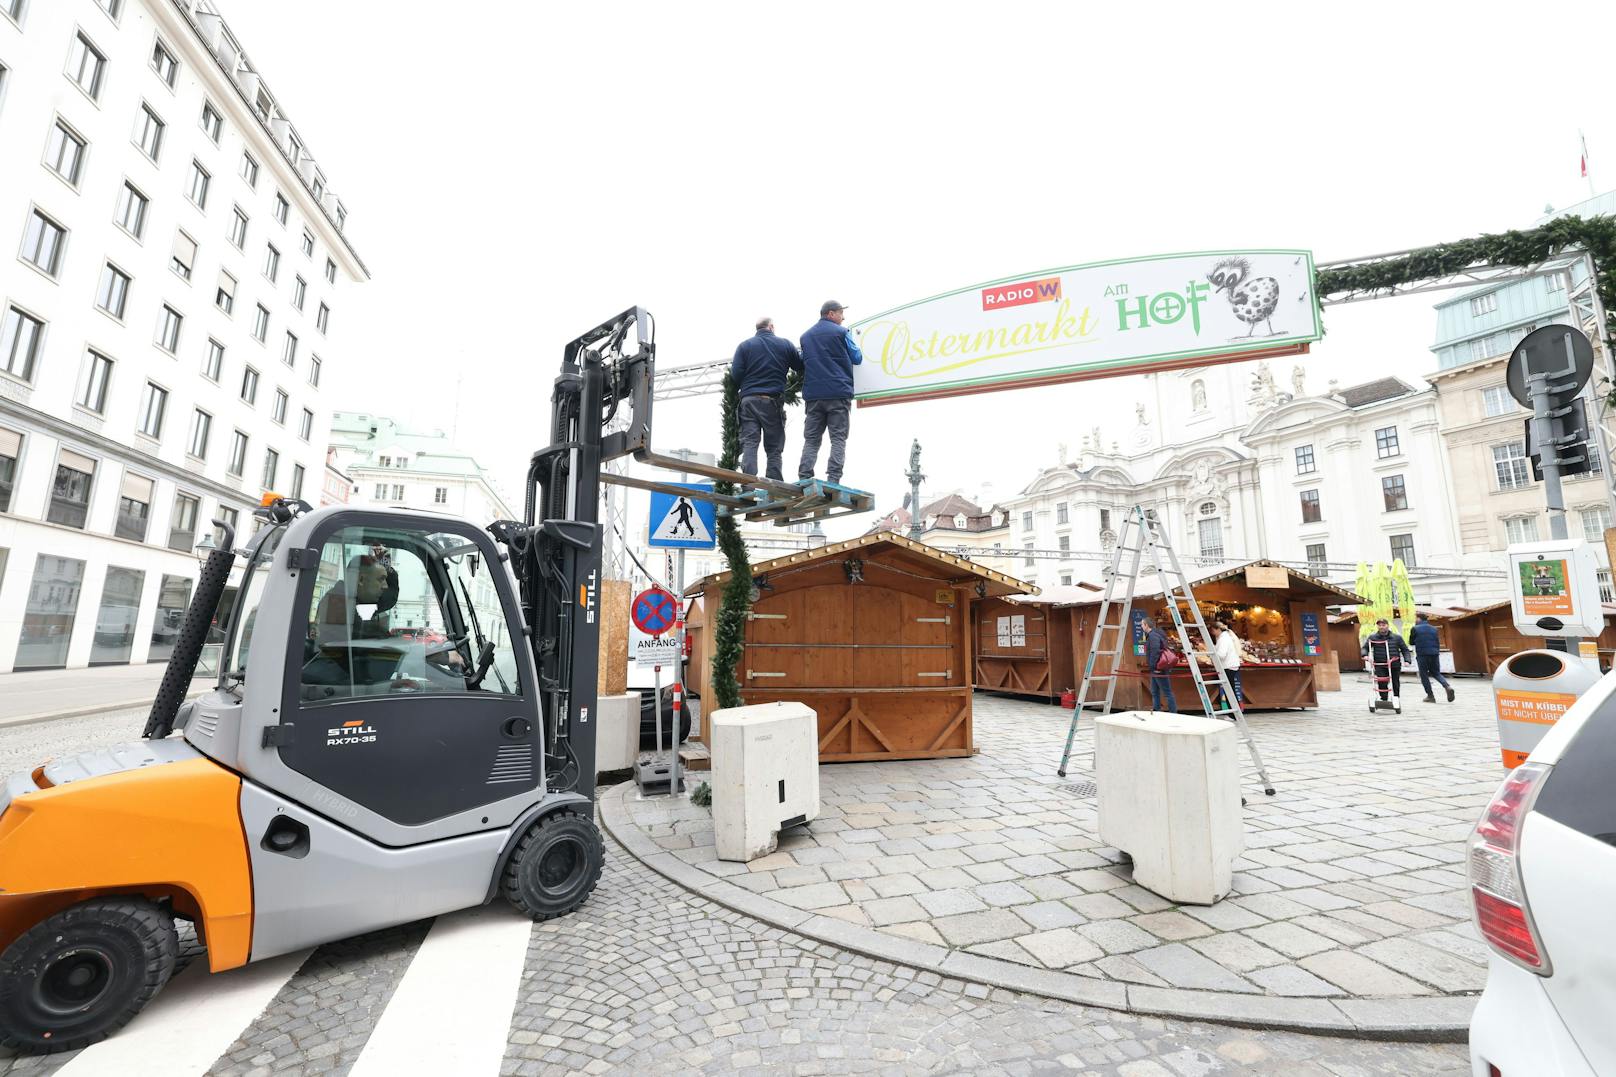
[{"x": 1416, "y": 1020}]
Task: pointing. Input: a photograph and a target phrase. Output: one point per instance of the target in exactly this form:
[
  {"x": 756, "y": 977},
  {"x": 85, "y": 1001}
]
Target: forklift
[{"x": 341, "y": 776}]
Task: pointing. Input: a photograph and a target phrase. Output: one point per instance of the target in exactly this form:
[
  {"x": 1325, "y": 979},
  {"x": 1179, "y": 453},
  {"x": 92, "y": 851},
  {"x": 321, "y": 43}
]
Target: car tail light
[{"x": 1497, "y": 896}]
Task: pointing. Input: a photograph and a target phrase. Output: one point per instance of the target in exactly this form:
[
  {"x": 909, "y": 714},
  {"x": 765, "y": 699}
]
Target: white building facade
[
  {"x": 174, "y": 258},
  {"x": 390, "y": 466}
]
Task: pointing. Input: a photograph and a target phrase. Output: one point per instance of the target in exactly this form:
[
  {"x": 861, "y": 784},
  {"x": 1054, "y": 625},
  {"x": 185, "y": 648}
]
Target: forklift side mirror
[{"x": 471, "y": 563}]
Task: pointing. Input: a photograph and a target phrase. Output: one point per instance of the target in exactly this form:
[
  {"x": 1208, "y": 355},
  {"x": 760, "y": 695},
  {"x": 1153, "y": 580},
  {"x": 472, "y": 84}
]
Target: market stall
[
  {"x": 1024, "y": 642},
  {"x": 1481, "y": 639},
  {"x": 1279, "y": 614},
  {"x": 874, "y": 634}
]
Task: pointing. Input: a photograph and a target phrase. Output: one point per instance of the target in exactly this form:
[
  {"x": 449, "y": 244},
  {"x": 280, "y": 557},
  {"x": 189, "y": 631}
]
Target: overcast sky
[{"x": 517, "y": 172}]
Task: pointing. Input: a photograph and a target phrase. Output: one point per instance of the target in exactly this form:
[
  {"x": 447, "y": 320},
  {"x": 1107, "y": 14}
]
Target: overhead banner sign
[{"x": 1129, "y": 316}]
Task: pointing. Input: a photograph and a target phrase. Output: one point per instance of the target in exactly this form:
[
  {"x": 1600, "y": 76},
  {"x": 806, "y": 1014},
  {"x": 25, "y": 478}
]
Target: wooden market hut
[
  {"x": 874, "y": 634},
  {"x": 1024, "y": 642},
  {"x": 1274, "y": 609},
  {"x": 1481, "y": 639}
]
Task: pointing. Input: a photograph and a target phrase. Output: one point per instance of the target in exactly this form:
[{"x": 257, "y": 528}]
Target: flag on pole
[{"x": 1584, "y": 140}]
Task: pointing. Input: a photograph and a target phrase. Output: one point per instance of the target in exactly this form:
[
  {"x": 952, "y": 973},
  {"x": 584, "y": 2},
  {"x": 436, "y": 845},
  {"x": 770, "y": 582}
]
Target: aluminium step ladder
[{"x": 1142, "y": 536}]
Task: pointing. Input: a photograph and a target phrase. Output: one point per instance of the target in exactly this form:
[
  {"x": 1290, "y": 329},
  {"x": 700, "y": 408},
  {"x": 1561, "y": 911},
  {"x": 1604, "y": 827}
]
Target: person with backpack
[{"x": 1160, "y": 656}]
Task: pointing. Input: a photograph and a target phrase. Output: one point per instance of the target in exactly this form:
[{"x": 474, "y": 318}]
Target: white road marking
[
  {"x": 191, "y": 1022},
  {"x": 451, "y": 1012}
]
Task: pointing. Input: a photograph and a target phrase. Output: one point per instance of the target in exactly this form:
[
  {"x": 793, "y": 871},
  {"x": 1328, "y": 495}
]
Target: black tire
[
  {"x": 82, "y": 974},
  {"x": 555, "y": 866}
]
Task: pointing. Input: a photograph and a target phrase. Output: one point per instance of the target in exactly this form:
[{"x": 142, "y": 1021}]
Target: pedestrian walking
[
  {"x": 1161, "y": 686},
  {"x": 759, "y": 373},
  {"x": 1428, "y": 657},
  {"x": 1226, "y": 656},
  {"x": 1389, "y": 644},
  {"x": 829, "y": 354}
]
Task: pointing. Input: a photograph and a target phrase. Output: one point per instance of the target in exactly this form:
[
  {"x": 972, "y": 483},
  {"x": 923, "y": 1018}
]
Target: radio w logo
[{"x": 1021, "y": 293}]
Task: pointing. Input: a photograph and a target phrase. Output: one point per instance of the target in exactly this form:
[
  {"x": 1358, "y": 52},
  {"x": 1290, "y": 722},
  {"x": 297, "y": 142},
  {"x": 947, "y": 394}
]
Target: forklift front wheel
[
  {"x": 555, "y": 866},
  {"x": 80, "y": 975}
]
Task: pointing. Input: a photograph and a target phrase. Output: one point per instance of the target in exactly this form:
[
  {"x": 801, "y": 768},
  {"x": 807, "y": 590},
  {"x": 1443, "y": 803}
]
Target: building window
[
  {"x": 153, "y": 402},
  {"x": 172, "y": 601},
  {"x": 1105, "y": 519},
  {"x": 272, "y": 467},
  {"x": 277, "y": 411},
  {"x": 1403, "y": 550},
  {"x": 1556, "y": 282},
  {"x": 225, "y": 297},
  {"x": 149, "y": 132},
  {"x": 300, "y": 291},
  {"x": 131, "y": 211},
  {"x": 1026, "y": 521},
  {"x": 282, "y": 207},
  {"x": 1060, "y": 513},
  {"x": 331, "y": 273},
  {"x": 297, "y": 480},
  {"x": 212, "y": 122},
  {"x": 1312, "y": 511},
  {"x": 201, "y": 433},
  {"x": 163, "y": 62},
  {"x": 1394, "y": 493},
  {"x": 1386, "y": 442},
  {"x": 272, "y": 262},
  {"x": 398, "y": 491},
  {"x": 64, "y": 153},
  {"x": 182, "y": 526},
  {"x": 168, "y": 329},
  {"x": 238, "y": 454},
  {"x": 10, "y": 449},
  {"x": 1509, "y": 464},
  {"x": 1304, "y": 460},
  {"x": 440, "y": 495},
  {"x": 381, "y": 495},
  {"x": 85, "y": 65},
  {"x": 21, "y": 336},
  {"x": 1065, "y": 543},
  {"x": 70, "y": 490},
  {"x": 249, "y": 385},
  {"x": 322, "y": 319},
  {"x": 53, "y": 602},
  {"x": 261, "y": 324},
  {"x": 213, "y": 361},
  {"x": 1210, "y": 533},
  {"x": 197, "y": 191},
  {"x": 305, "y": 426},
  {"x": 134, "y": 508},
  {"x": 238, "y": 230},
  {"x": 43, "y": 243},
  {"x": 114, "y": 639},
  {"x": 92, "y": 391},
  {"x": 1484, "y": 304},
  {"x": 1317, "y": 562},
  {"x": 249, "y": 169},
  {"x": 112, "y": 294},
  {"x": 314, "y": 372},
  {"x": 1497, "y": 401},
  {"x": 1520, "y": 529},
  {"x": 289, "y": 350},
  {"x": 1595, "y": 522},
  {"x": 184, "y": 256},
  {"x": 308, "y": 243},
  {"x": 1028, "y": 558}
]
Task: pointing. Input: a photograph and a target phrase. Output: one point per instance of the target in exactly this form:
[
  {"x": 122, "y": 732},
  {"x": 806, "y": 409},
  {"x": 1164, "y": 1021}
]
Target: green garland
[{"x": 729, "y": 626}]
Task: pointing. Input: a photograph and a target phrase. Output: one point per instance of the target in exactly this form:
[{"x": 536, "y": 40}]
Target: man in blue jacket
[
  {"x": 759, "y": 372},
  {"x": 1161, "y": 685},
  {"x": 829, "y": 354},
  {"x": 1428, "y": 654}
]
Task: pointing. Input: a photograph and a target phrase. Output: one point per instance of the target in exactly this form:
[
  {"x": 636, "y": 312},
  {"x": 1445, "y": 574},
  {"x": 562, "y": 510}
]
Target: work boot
[
  {"x": 1429, "y": 699},
  {"x": 1450, "y": 693}
]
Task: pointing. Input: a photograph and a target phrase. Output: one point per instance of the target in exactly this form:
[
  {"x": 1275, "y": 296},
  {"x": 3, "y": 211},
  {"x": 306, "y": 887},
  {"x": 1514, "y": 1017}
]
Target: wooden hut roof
[
  {"x": 944, "y": 566},
  {"x": 1149, "y": 586},
  {"x": 1436, "y": 613},
  {"x": 1609, "y": 610}
]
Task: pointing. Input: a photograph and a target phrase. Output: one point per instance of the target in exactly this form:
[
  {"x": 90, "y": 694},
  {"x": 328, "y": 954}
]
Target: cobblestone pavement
[
  {"x": 1349, "y": 903},
  {"x": 648, "y": 978}
]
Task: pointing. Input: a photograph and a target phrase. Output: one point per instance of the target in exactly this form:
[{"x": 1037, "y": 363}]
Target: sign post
[{"x": 655, "y": 612}]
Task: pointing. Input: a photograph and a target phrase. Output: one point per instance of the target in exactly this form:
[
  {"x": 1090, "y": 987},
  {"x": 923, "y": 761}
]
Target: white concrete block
[
  {"x": 1169, "y": 796},
  {"x": 617, "y": 734},
  {"x": 765, "y": 773}
]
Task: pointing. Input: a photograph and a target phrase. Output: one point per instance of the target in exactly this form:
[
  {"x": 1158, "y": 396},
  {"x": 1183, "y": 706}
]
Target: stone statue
[
  {"x": 1262, "y": 384},
  {"x": 1139, "y": 414},
  {"x": 1198, "y": 395},
  {"x": 1064, "y": 452},
  {"x": 1096, "y": 439},
  {"x": 914, "y": 455},
  {"x": 1298, "y": 376}
]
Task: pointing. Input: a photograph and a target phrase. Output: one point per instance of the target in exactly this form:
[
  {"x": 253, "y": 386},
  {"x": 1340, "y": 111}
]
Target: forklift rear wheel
[
  {"x": 80, "y": 975},
  {"x": 555, "y": 866}
]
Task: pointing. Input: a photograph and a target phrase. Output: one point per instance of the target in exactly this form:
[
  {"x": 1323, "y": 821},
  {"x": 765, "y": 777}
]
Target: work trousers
[
  {"x": 823, "y": 415},
  {"x": 1161, "y": 688},
  {"x": 1430, "y": 666},
  {"x": 763, "y": 418}
]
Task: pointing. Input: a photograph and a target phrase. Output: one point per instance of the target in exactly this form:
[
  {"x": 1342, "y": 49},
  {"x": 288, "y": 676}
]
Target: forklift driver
[{"x": 354, "y": 609}]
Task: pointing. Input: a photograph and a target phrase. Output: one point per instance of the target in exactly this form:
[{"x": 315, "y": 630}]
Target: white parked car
[{"x": 1543, "y": 893}]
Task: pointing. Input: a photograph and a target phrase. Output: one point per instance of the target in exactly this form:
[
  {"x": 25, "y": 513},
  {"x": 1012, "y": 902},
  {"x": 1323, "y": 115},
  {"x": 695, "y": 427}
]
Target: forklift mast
[{"x": 556, "y": 549}]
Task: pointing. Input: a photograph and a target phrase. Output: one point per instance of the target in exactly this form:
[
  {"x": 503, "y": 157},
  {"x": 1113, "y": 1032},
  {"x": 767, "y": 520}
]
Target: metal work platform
[{"x": 755, "y": 498}]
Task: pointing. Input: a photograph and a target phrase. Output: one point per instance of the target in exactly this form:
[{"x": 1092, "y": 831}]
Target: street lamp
[
  {"x": 206, "y": 547},
  {"x": 817, "y": 537}
]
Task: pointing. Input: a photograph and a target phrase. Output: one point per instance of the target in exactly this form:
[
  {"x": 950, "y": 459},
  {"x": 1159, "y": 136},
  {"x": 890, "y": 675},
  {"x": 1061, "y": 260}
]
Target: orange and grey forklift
[{"x": 402, "y": 726}]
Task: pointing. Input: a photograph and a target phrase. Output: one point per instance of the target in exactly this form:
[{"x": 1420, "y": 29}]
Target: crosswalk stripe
[
  {"x": 451, "y": 1011},
  {"x": 190, "y": 1023}
]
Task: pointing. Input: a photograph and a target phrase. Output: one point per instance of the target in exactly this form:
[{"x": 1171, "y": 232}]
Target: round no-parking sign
[{"x": 654, "y": 611}]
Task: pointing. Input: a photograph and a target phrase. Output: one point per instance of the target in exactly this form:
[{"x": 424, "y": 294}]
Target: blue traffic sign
[
  {"x": 683, "y": 523},
  {"x": 654, "y": 611}
]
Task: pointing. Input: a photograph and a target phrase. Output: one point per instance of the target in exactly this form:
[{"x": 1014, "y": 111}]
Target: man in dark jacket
[
  {"x": 829, "y": 354},
  {"x": 1161, "y": 686},
  {"x": 1395, "y": 649},
  {"x": 759, "y": 372},
  {"x": 1428, "y": 656}
]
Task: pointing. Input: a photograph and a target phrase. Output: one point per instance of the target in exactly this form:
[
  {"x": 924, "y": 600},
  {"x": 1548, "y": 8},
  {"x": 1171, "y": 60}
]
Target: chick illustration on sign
[{"x": 1253, "y": 299}]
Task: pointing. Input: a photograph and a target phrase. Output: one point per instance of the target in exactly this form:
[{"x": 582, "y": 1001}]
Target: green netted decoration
[{"x": 729, "y": 627}]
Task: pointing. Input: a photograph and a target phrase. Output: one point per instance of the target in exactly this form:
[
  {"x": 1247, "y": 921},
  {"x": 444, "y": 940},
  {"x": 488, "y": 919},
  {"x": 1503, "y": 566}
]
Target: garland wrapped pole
[{"x": 736, "y": 604}]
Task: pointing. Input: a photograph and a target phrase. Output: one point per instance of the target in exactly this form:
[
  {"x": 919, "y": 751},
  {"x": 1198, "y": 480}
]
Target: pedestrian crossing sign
[{"x": 683, "y": 523}]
